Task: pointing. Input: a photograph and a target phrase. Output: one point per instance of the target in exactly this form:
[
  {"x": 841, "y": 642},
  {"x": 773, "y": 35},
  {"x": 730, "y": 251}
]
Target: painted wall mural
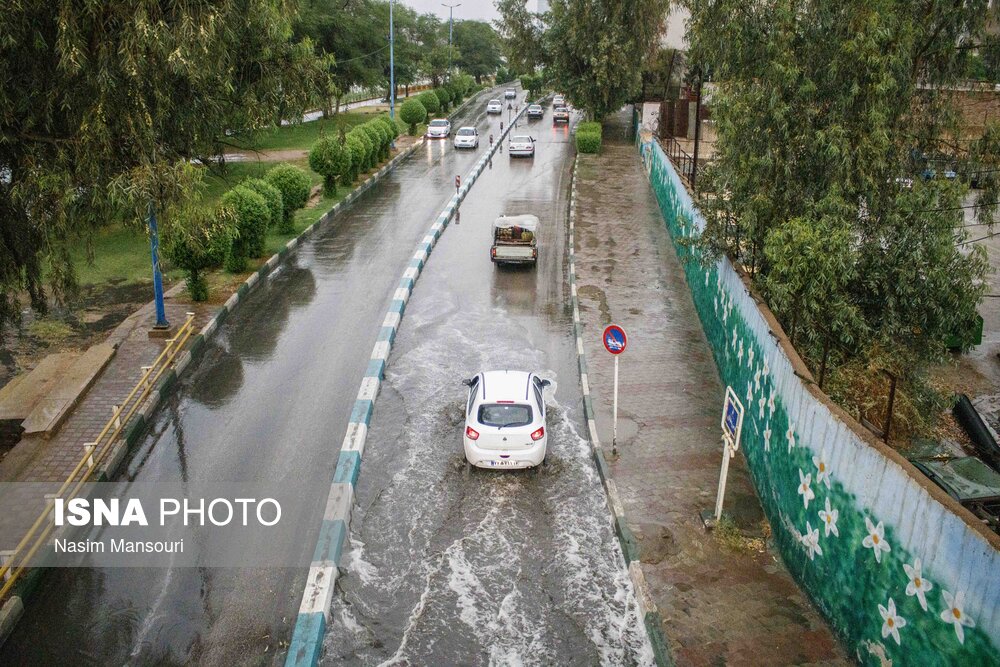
[{"x": 899, "y": 576}]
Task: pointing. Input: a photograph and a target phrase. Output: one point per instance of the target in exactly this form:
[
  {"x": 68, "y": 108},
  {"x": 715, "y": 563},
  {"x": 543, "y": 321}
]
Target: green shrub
[
  {"x": 330, "y": 159},
  {"x": 271, "y": 194},
  {"x": 356, "y": 147},
  {"x": 456, "y": 90},
  {"x": 386, "y": 136},
  {"x": 591, "y": 126},
  {"x": 377, "y": 138},
  {"x": 197, "y": 241},
  {"x": 413, "y": 112},
  {"x": 390, "y": 125},
  {"x": 369, "y": 148},
  {"x": 252, "y": 217},
  {"x": 293, "y": 183},
  {"x": 430, "y": 102},
  {"x": 588, "y": 142},
  {"x": 444, "y": 97}
]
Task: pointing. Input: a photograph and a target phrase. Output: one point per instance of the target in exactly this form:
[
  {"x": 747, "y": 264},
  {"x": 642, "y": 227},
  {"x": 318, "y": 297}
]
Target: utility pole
[
  {"x": 451, "y": 21},
  {"x": 392, "y": 68}
]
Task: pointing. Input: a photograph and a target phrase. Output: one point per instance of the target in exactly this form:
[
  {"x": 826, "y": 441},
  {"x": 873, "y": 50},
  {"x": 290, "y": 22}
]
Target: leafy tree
[
  {"x": 252, "y": 217},
  {"x": 532, "y": 83},
  {"x": 390, "y": 125},
  {"x": 293, "y": 183},
  {"x": 412, "y": 112},
  {"x": 521, "y": 36},
  {"x": 430, "y": 102},
  {"x": 198, "y": 240},
  {"x": 103, "y": 104},
  {"x": 330, "y": 159},
  {"x": 823, "y": 112},
  {"x": 376, "y": 138},
  {"x": 271, "y": 194},
  {"x": 597, "y": 48},
  {"x": 478, "y": 48}
]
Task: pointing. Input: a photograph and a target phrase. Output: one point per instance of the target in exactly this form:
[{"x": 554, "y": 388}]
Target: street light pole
[
  {"x": 392, "y": 68},
  {"x": 154, "y": 248},
  {"x": 451, "y": 21}
]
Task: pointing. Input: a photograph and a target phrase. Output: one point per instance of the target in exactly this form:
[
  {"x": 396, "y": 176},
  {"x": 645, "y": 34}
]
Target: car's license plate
[{"x": 503, "y": 464}]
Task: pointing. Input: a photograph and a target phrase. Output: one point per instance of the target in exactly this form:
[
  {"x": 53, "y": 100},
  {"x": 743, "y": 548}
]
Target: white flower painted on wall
[
  {"x": 770, "y": 403},
  {"x": 918, "y": 585},
  {"x": 750, "y": 392},
  {"x": 767, "y": 437},
  {"x": 955, "y": 614},
  {"x": 875, "y": 540},
  {"x": 739, "y": 354},
  {"x": 811, "y": 541},
  {"x": 756, "y": 386},
  {"x": 750, "y": 357},
  {"x": 829, "y": 518},
  {"x": 761, "y": 402},
  {"x": 767, "y": 370},
  {"x": 790, "y": 436},
  {"x": 822, "y": 471},
  {"x": 891, "y": 621},
  {"x": 804, "y": 489}
]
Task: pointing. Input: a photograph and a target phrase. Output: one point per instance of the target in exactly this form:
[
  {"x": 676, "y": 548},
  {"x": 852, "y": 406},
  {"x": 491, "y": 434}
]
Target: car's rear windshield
[
  {"x": 534, "y": 107},
  {"x": 494, "y": 101},
  {"x": 560, "y": 108},
  {"x": 520, "y": 140},
  {"x": 438, "y": 123},
  {"x": 466, "y": 132},
  {"x": 504, "y": 414}
]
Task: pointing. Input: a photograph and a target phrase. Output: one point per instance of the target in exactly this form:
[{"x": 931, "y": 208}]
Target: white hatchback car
[
  {"x": 494, "y": 106},
  {"x": 467, "y": 137},
  {"x": 439, "y": 128},
  {"x": 505, "y": 420}
]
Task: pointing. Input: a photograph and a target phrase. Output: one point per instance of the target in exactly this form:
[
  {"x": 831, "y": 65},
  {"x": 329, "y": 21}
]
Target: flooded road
[
  {"x": 452, "y": 566},
  {"x": 270, "y": 400}
]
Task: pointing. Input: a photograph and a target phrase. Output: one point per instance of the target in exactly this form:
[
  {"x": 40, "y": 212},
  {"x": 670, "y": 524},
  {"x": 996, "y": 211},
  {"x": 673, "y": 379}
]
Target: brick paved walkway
[
  {"x": 720, "y": 605},
  {"x": 36, "y": 459}
]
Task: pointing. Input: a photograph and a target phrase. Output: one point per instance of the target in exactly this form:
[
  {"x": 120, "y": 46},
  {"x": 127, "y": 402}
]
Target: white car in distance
[
  {"x": 510, "y": 94},
  {"x": 521, "y": 146},
  {"x": 494, "y": 106},
  {"x": 467, "y": 137},
  {"x": 505, "y": 420},
  {"x": 439, "y": 128}
]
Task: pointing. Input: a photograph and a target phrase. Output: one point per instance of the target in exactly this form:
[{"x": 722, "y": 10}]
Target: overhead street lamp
[{"x": 451, "y": 21}]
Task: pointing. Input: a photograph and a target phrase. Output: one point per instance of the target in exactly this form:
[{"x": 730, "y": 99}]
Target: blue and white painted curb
[
  {"x": 314, "y": 612},
  {"x": 647, "y": 608}
]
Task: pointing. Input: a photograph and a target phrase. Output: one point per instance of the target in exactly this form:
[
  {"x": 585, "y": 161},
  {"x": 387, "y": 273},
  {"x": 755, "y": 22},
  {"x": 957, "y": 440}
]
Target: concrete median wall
[{"x": 903, "y": 573}]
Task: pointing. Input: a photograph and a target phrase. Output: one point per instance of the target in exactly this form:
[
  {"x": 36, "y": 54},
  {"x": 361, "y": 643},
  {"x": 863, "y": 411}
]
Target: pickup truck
[{"x": 515, "y": 240}]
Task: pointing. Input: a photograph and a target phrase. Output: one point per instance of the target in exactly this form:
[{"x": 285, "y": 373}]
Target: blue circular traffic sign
[{"x": 615, "y": 340}]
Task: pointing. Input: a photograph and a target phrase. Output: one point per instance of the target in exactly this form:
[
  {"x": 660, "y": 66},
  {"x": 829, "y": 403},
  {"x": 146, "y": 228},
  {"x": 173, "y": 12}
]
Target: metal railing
[
  {"x": 683, "y": 161},
  {"x": 94, "y": 453}
]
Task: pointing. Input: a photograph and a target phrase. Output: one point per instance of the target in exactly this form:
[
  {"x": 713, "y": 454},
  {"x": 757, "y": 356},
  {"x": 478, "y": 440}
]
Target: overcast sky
[{"x": 470, "y": 9}]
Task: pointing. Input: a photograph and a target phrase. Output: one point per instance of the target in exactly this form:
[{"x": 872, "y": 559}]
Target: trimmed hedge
[
  {"x": 357, "y": 149},
  {"x": 330, "y": 159},
  {"x": 363, "y": 137},
  {"x": 588, "y": 142},
  {"x": 430, "y": 102},
  {"x": 252, "y": 217},
  {"x": 275, "y": 202},
  {"x": 199, "y": 240},
  {"x": 293, "y": 183},
  {"x": 444, "y": 97},
  {"x": 591, "y": 126},
  {"x": 413, "y": 112}
]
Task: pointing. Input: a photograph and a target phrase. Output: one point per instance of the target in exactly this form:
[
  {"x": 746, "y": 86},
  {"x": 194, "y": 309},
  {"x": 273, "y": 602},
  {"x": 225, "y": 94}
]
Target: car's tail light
[
  {"x": 534, "y": 253},
  {"x": 493, "y": 252},
  {"x": 473, "y": 434},
  {"x": 539, "y": 434}
]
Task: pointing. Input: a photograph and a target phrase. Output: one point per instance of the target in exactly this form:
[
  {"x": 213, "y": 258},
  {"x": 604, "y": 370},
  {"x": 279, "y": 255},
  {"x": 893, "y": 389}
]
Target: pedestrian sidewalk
[
  {"x": 37, "y": 459},
  {"x": 723, "y": 597}
]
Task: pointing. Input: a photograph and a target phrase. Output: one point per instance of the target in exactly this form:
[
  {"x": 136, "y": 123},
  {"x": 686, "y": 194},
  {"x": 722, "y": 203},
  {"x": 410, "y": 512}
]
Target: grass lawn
[
  {"x": 121, "y": 255},
  {"x": 303, "y": 135}
]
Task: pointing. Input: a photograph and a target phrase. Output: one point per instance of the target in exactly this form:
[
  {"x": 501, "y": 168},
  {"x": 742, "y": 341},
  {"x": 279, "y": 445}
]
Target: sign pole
[
  {"x": 726, "y": 456},
  {"x": 614, "y": 421},
  {"x": 732, "y": 430},
  {"x": 615, "y": 341}
]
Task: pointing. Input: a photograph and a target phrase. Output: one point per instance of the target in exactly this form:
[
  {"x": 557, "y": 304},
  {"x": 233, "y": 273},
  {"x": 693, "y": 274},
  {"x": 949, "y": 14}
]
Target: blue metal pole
[
  {"x": 154, "y": 248},
  {"x": 392, "y": 68}
]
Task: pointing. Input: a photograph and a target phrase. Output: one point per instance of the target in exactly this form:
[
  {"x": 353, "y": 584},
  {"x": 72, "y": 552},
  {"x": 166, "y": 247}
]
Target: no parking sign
[{"x": 615, "y": 341}]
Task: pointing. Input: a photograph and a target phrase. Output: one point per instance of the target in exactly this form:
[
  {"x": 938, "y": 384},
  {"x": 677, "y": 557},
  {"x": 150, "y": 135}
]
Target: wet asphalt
[
  {"x": 451, "y": 566},
  {"x": 445, "y": 566},
  {"x": 270, "y": 399}
]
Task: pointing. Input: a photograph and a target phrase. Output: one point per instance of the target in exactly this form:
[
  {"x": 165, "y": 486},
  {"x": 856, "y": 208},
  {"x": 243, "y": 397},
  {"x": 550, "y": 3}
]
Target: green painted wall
[{"x": 852, "y": 526}]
